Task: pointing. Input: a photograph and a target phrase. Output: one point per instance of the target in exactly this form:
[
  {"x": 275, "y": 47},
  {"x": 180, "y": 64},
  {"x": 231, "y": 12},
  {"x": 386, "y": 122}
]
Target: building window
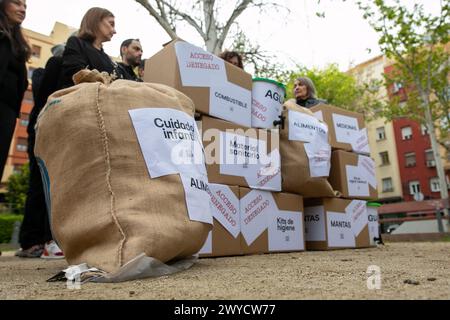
[
  {"x": 406, "y": 133},
  {"x": 384, "y": 158},
  {"x": 22, "y": 145},
  {"x": 35, "y": 51},
  {"x": 387, "y": 185},
  {"x": 424, "y": 129},
  {"x": 17, "y": 169},
  {"x": 381, "y": 134},
  {"x": 410, "y": 159},
  {"x": 24, "y": 119},
  {"x": 429, "y": 158},
  {"x": 414, "y": 187},
  {"x": 434, "y": 185}
]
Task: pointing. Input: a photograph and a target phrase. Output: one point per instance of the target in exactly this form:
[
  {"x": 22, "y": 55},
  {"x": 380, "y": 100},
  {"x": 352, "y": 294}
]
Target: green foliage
[
  {"x": 259, "y": 60},
  {"x": 17, "y": 189},
  {"x": 7, "y": 225},
  {"x": 338, "y": 88},
  {"x": 417, "y": 43}
]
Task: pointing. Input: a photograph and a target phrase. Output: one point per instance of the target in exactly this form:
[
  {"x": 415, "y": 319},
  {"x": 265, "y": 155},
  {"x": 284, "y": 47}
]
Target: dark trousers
[
  {"x": 7, "y": 125},
  {"x": 35, "y": 227}
]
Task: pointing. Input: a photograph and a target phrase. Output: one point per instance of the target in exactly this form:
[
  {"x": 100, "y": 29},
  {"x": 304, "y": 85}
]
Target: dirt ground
[{"x": 306, "y": 275}]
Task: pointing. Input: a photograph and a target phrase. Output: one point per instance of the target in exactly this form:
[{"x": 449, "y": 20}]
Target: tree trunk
[
  {"x": 210, "y": 27},
  {"x": 436, "y": 153}
]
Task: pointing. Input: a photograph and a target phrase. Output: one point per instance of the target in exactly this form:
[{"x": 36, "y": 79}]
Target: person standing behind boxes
[
  {"x": 141, "y": 69},
  {"x": 131, "y": 53},
  {"x": 86, "y": 49},
  {"x": 305, "y": 93},
  {"x": 35, "y": 237},
  {"x": 14, "y": 52},
  {"x": 232, "y": 57}
]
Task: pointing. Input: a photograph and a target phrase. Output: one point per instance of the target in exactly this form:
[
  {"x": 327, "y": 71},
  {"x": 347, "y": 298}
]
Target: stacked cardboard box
[
  {"x": 244, "y": 163},
  {"x": 250, "y": 221},
  {"x": 336, "y": 223},
  {"x": 217, "y": 88},
  {"x": 241, "y": 162},
  {"x": 343, "y": 222}
]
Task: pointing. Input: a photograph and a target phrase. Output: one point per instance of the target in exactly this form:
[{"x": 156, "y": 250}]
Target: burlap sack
[
  {"x": 105, "y": 209},
  {"x": 295, "y": 170}
]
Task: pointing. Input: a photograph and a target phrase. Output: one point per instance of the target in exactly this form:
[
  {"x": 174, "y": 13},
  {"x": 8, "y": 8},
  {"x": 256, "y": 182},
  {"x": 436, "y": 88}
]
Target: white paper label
[
  {"x": 207, "y": 247},
  {"x": 199, "y": 68},
  {"x": 286, "y": 231},
  {"x": 340, "y": 232},
  {"x": 170, "y": 144},
  {"x": 247, "y": 157},
  {"x": 367, "y": 167},
  {"x": 169, "y": 141},
  {"x": 374, "y": 231},
  {"x": 319, "y": 156},
  {"x": 319, "y": 115},
  {"x": 356, "y": 182},
  {"x": 346, "y": 128},
  {"x": 357, "y": 210},
  {"x": 231, "y": 102},
  {"x": 197, "y": 198},
  {"x": 360, "y": 142},
  {"x": 267, "y": 102},
  {"x": 256, "y": 208},
  {"x": 315, "y": 223},
  {"x": 306, "y": 128},
  {"x": 225, "y": 208}
]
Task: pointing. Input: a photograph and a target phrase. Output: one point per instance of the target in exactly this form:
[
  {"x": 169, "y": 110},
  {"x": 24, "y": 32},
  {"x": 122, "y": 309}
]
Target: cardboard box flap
[{"x": 353, "y": 175}]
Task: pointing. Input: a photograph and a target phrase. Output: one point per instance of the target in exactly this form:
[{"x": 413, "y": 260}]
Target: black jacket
[
  {"x": 13, "y": 76},
  {"x": 126, "y": 72},
  {"x": 310, "y": 102},
  {"x": 48, "y": 85},
  {"x": 80, "y": 54}
]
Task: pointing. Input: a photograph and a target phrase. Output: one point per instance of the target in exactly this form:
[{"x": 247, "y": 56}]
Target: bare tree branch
[
  {"x": 162, "y": 22},
  {"x": 236, "y": 13},
  {"x": 186, "y": 17}
]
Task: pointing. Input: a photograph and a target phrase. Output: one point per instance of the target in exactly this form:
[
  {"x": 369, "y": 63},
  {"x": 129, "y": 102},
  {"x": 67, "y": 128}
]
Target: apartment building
[{"x": 381, "y": 136}]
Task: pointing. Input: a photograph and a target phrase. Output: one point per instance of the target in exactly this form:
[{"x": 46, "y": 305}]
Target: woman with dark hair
[
  {"x": 85, "y": 50},
  {"x": 305, "y": 93},
  {"x": 232, "y": 57},
  {"x": 14, "y": 52}
]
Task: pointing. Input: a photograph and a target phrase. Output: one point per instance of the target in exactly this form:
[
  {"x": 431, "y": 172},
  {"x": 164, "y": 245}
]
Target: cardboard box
[
  {"x": 374, "y": 225},
  {"x": 217, "y": 88},
  {"x": 271, "y": 222},
  {"x": 353, "y": 175},
  {"x": 225, "y": 237},
  {"x": 333, "y": 223},
  {"x": 241, "y": 156},
  {"x": 305, "y": 153},
  {"x": 347, "y": 129}
]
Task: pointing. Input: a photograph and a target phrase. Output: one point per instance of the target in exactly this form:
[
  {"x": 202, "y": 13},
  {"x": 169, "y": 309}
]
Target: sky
[{"x": 297, "y": 37}]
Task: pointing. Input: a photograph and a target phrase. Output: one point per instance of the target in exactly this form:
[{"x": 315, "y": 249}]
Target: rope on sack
[{"x": 101, "y": 123}]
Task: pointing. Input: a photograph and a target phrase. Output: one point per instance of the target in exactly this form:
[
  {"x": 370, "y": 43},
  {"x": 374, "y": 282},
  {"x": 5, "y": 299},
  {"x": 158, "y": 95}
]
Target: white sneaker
[{"x": 52, "y": 251}]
